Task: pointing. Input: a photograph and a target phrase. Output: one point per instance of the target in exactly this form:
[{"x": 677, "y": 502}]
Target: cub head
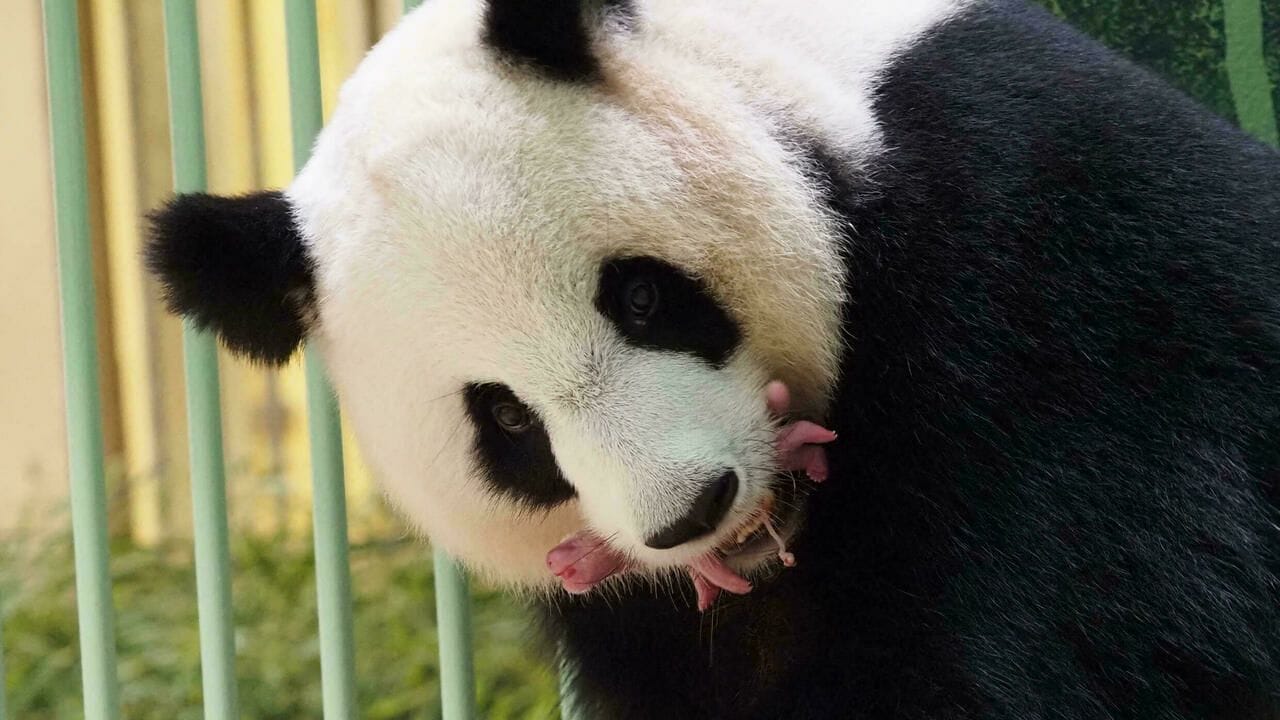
[{"x": 551, "y": 256}]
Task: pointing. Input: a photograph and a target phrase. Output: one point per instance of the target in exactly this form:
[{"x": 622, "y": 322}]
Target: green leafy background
[{"x": 276, "y": 644}]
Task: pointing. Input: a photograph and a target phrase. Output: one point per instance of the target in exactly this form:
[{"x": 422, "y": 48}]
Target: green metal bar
[
  {"x": 333, "y": 574},
  {"x": 453, "y": 626},
  {"x": 3, "y": 712},
  {"x": 333, "y": 570},
  {"x": 453, "y": 621},
  {"x": 80, "y": 359},
  {"x": 200, "y": 360},
  {"x": 568, "y": 707},
  {"x": 306, "y": 111},
  {"x": 1247, "y": 69}
]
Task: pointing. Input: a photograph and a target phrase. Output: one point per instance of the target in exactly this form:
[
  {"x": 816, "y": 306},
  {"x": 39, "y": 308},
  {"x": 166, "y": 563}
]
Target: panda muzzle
[{"x": 584, "y": 560}]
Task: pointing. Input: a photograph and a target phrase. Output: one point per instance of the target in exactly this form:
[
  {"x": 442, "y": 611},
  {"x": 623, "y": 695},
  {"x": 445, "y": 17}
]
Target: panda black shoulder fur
[{"x": 553, "y": 252}]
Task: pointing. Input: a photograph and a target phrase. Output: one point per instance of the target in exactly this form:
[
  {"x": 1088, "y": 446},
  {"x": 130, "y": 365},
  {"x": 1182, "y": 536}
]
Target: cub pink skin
[{"x": 584, "y": 560}]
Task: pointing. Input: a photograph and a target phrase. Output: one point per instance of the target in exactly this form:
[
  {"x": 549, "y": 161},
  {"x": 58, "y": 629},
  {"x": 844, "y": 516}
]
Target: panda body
[{"x": 1032, "y": 288}]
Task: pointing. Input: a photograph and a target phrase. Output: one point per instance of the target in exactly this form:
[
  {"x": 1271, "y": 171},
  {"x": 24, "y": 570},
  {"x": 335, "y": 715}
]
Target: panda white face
[{"x": 550, "y": 296}]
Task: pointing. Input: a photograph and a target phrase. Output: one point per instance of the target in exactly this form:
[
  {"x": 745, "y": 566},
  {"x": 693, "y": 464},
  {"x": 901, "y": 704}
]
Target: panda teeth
[
  {"x": 750, "y": 529},
  {"x": 759, "y": 518}
]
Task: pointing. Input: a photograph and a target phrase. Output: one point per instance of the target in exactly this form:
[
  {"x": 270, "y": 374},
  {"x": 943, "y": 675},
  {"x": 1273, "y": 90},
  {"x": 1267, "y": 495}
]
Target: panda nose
[{"x": 706, "y": 512}]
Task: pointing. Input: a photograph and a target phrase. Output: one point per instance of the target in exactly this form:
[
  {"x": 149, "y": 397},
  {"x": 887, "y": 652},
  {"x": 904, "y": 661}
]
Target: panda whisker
[
  {"x": 444, "y": 445},
  {"x": 595, "y": 548},
  {"x": 711, "y": 635},
  {"x": 446, "y": 396},
  {"x": 789, "y": 505}
]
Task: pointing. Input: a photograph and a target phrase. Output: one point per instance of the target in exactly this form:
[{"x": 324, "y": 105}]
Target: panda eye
[
  {"x": 511, "y": 448},
  {"x": 512, "y": 417},
  {"x": 655, "y": 305},
  {"x": 642, "y": 299}
]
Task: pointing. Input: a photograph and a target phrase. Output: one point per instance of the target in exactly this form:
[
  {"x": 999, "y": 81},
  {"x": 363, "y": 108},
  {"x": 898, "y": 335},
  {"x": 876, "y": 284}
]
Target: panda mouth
[
  {"x": 765, "y": 527},
  {"x": 584, "y": 560},
  {"x": 762, "y": 537},
  {"x": 800, "y": 450}
]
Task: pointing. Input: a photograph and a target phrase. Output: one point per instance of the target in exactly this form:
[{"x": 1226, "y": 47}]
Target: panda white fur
[{"x": 1033, "y": 289}]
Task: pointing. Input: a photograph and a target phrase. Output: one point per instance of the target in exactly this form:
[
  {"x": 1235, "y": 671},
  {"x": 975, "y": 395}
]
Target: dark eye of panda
[
  {"x": 512, "y": 417},
  {"x": 655, "y": 305},
  {"x": 642, "y": 299},
  {"x": 512, "y": 448}
]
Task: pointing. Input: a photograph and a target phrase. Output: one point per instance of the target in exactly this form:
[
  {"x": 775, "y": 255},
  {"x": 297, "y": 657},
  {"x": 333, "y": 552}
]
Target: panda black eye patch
[
  {"x": 655, "y": 305},
  {"x": 512, "y": 447}
]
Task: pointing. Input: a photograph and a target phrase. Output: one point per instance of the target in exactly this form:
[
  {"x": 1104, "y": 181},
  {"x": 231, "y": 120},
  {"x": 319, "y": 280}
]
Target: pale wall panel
[{"x": 33, "y": 470}]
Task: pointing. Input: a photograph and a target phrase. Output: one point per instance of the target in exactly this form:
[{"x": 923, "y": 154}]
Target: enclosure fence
[
  {"x": 101, "y": 695},
  {"x": 209, "y": 497}
]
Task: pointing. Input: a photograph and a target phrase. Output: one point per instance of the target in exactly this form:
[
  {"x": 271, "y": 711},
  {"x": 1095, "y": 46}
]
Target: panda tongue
[
  {"x": 583, "y": 560},
  {"x": 710, "y": 576}
]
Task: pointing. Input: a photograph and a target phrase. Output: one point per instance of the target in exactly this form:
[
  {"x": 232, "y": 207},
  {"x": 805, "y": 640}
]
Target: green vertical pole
[
  {"x": 568, "y": 708},
  {"x": 333, "y": 571},
  {"x": 453, "y": 622},
  {"x": 80, "y": 347},
  {"x": 3, "y": 712},
  {"x": 453, "y": 626},
  {"x": 1247, "y": 69},
  {"x": 200, "y": 359}
]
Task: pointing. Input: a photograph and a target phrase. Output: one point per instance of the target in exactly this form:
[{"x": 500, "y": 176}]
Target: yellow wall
[
  {"x": 32, "y": 445},
  {"x": 247, "y": 129}
]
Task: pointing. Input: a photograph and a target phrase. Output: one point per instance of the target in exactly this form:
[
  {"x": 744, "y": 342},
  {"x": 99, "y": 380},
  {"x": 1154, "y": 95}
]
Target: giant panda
[{"x": 979, "y": 319}]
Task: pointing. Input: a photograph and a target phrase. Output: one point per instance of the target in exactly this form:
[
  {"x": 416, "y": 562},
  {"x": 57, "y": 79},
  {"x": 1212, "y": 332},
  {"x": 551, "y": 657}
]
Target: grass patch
[{"x": 277, "y": 643}]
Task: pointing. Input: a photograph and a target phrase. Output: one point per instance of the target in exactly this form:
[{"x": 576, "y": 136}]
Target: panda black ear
[
  {"x": 235, "y": 265},
  {"x": 552, "y": 35}
]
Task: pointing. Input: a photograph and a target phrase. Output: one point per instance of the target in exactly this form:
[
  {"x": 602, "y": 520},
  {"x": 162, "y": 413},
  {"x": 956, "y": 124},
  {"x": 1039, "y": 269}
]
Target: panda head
[{"x": 551, "y": 258}]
